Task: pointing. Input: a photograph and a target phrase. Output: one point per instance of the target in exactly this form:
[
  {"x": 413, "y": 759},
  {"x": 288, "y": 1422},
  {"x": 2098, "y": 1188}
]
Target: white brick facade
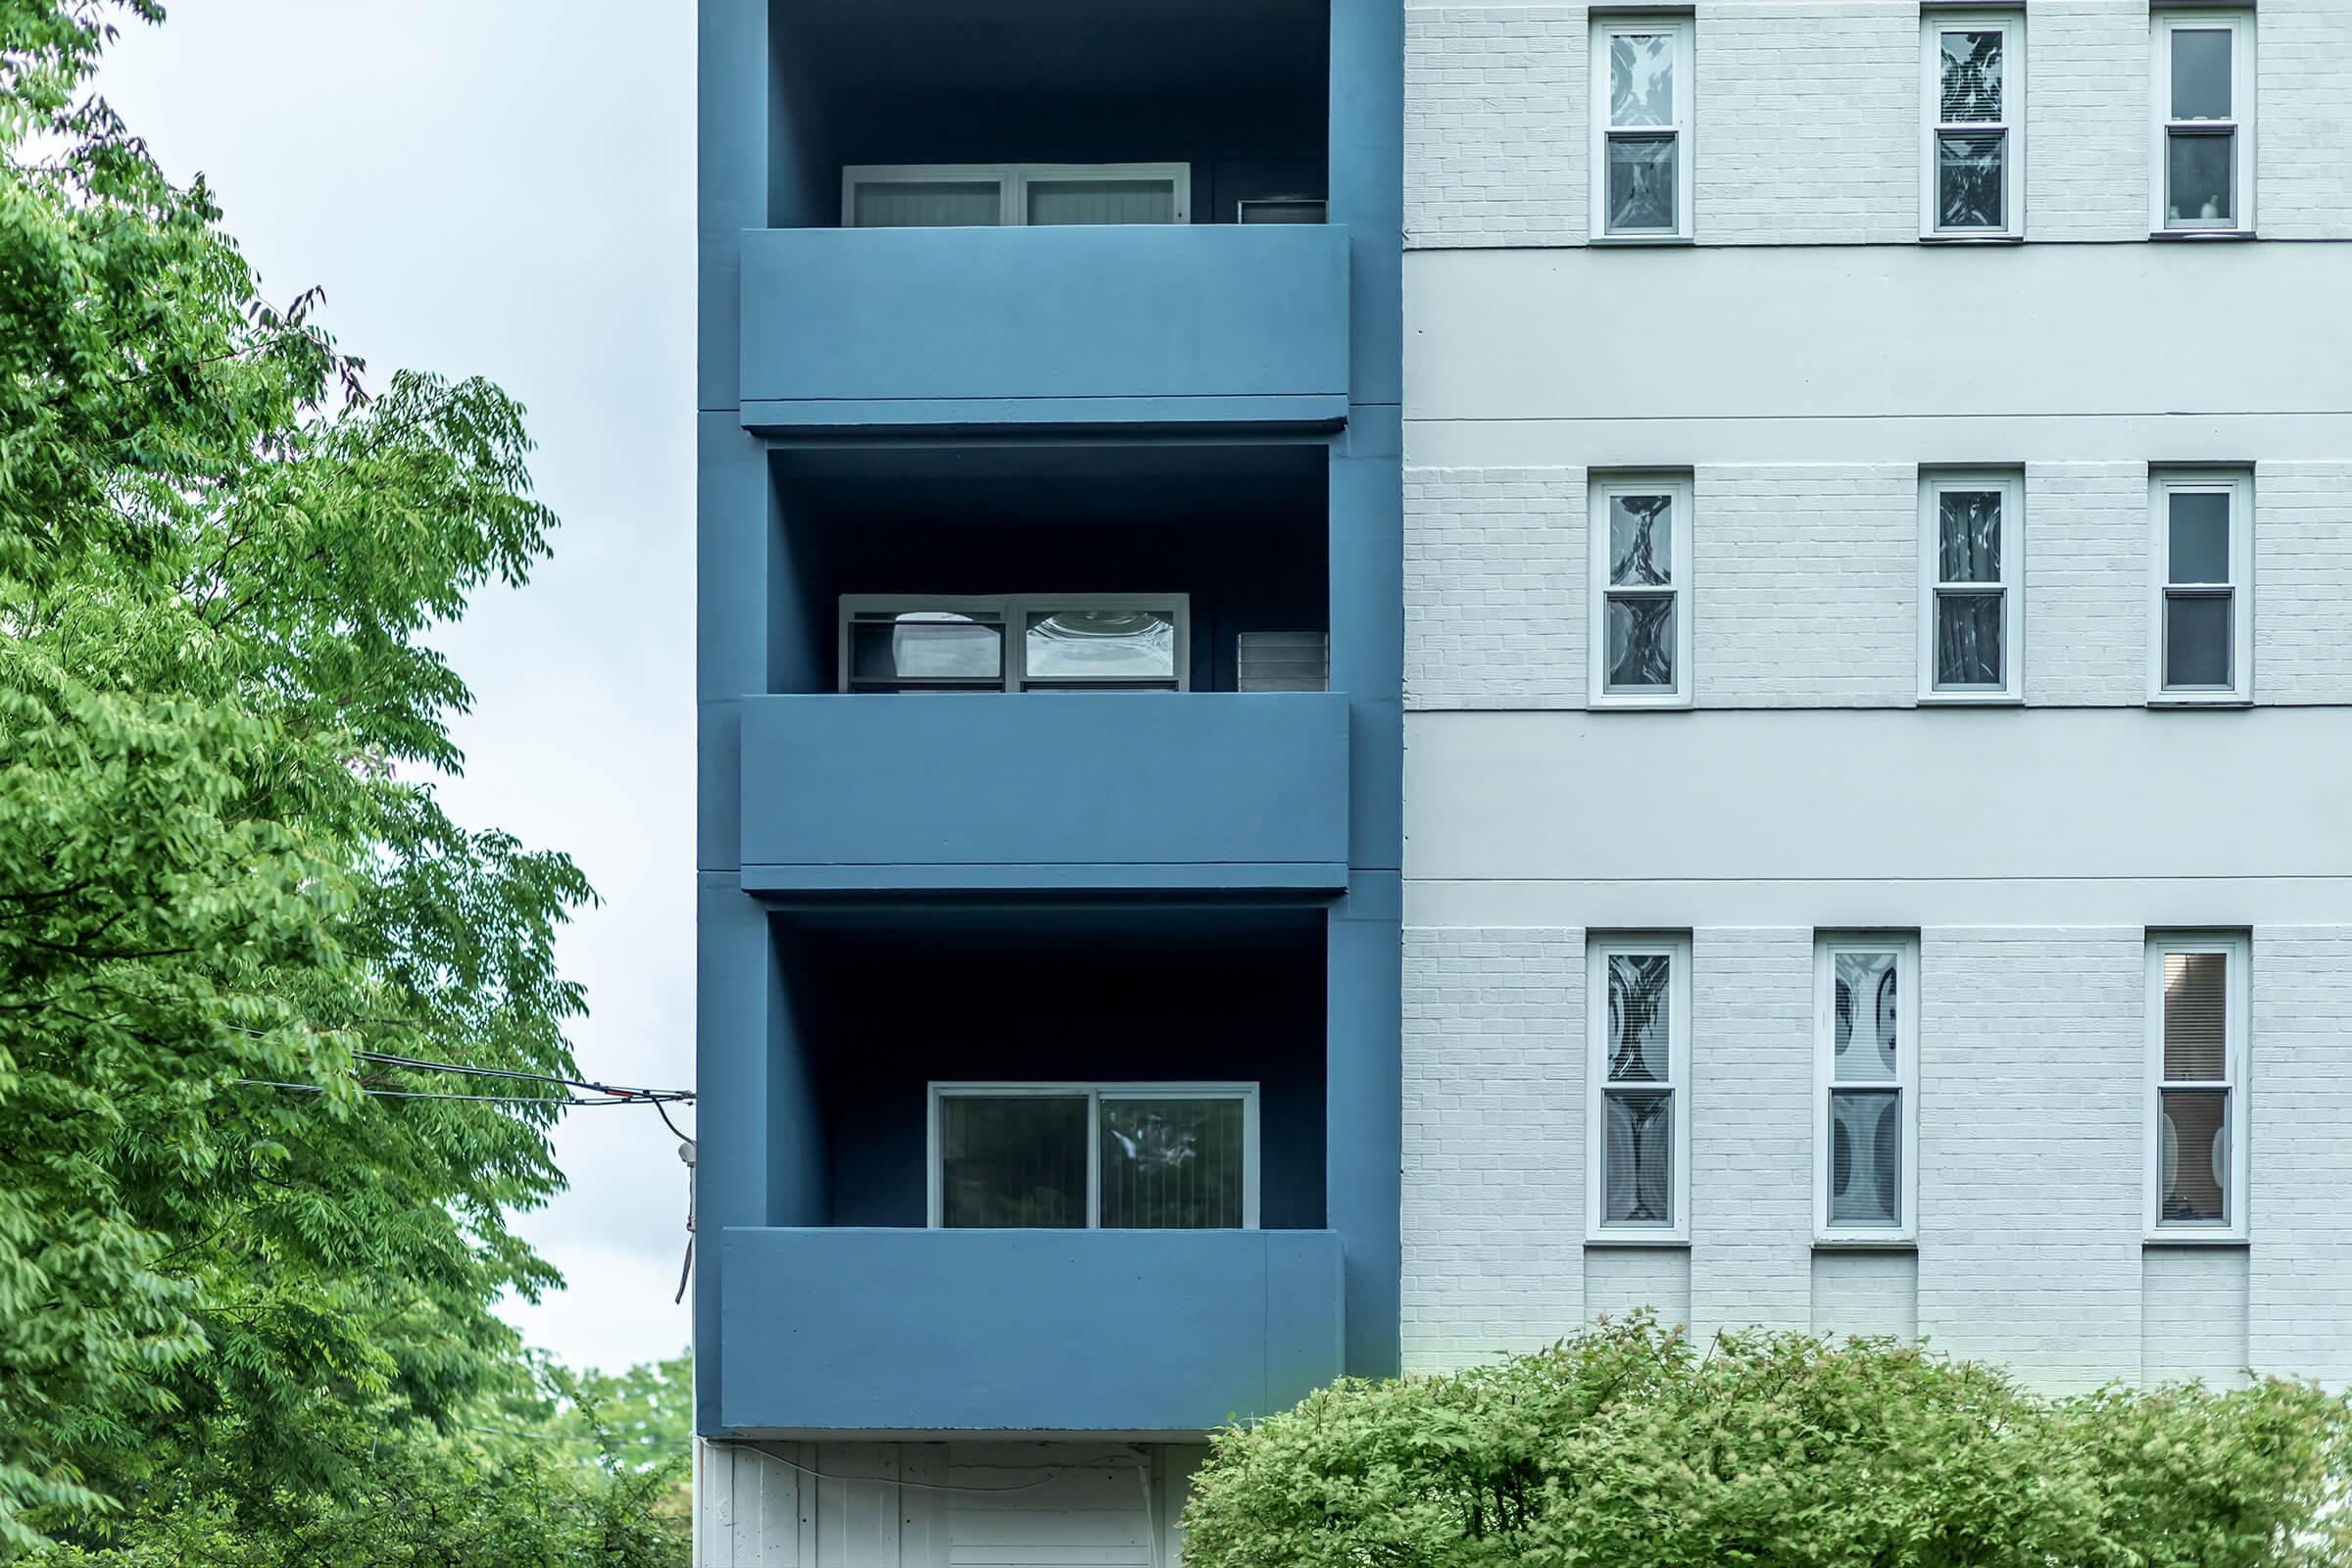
[
  {"x": 1808, "y": 122},
  {"x": 1804, "y": 362}
]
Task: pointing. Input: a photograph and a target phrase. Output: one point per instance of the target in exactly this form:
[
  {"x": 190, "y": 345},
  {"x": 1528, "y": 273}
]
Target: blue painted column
[{"x": 1365, "y": 1073}]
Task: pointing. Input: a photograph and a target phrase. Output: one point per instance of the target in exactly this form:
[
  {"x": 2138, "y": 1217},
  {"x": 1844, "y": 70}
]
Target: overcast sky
[{"x": 506, "y": 188}]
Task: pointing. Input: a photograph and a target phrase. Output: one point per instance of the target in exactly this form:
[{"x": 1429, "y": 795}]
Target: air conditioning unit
[
  {"x": 1280, "y": 210},
  {"x": 1282, "y": 662}
]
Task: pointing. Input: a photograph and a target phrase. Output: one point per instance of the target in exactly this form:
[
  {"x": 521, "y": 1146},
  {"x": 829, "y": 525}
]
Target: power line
[
  {"x": 420, "y": 1064},
  {"x": 647, "y": 1096}
]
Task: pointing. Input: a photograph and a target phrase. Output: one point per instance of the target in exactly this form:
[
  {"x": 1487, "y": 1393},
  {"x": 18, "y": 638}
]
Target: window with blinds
[
  {"x": 2197, "y": 1154},
  {"x": 1000, "y": 195},
  {"x": 1107, "y": 1156}
]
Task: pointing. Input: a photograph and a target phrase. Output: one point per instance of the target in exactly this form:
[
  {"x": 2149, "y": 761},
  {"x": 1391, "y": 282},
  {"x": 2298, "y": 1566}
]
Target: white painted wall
[
  {"x": 966, "y": 1504},
  {"x": 1803, "y": 361}
]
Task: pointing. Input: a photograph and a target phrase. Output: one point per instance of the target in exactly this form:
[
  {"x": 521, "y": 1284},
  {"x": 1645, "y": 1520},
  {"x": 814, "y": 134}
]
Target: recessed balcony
[
  {"x": 1084, "y": 325},
  {"x": 1046, "y": 791},
  {"x": 839, "y": 1331}
]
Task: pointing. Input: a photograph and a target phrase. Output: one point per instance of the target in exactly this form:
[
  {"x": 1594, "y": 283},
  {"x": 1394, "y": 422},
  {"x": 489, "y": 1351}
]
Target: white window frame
[
  {"x": 1015, "y": 609},
  {"x": 1904, "y": 945},
  {"x": 1684, "y": 30},
  {"x": 1094, "y": 1093},
  {"x": 2011, "y": 25},
  {"x": 2238, "y": 485},
  {"x": 1012, "y": 181},
  {"x": 1932, "y": 483},
  {"x": 1598, "y": 949},
  {"x": 2239, "y": 24},
  {"x": 2238, "y": 950},
  {"x": 1603, "y": 487}
]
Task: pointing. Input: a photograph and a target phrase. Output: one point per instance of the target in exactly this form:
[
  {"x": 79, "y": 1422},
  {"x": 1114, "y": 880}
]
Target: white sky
[{"x": 506, "y": 188}]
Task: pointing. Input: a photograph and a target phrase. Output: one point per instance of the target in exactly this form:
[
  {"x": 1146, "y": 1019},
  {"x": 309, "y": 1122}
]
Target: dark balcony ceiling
[{"x": 921, "y": 49}]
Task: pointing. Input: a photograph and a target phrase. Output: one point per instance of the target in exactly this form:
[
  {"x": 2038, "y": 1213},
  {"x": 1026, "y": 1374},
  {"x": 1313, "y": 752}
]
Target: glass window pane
[
  {"x": 1642, "y": 195},
  {"x": 926, "y": 645},
  {"x": 1102, "y": 201},
  {"x": 1641, "y": 541},
  {"x": 2200, "y": 73},
  {"x": 1971, "y": 76},
  {"x": 1637, "y": 1159},
  {"x": 1968, "y": 179},
  {"x": 1102, "y": 644},
  {"x": 1172, "y": 1164},
  {"x": 1641, "y": 1015},
  {"x": 928, "y": 204},
  {"x": 2194, "y": 1184},
  {"x": 1868, "y": 1011},
  {"x": 2198, "y": 527},
  {"x": 2196, "y": 640},
  {"x": 1642, "y": 79},
  {"x": 1866, "y": 1154},
  {"x": 1967, "y": 536},
  {"x": 2200, "y": 168},
  {"x": 1967, "y": 640},
  {"x": 2197, "y": 1017},
  {"x": 1641, "y": 655},
  {"x": 1008, "y": 1161}
]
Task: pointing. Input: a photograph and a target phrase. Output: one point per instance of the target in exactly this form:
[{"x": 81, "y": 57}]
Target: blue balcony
[
  {"x": 1189, "y": 325},
  {"x": 1046, "y": 1331},
  {"x": 1212, "y": 791}
]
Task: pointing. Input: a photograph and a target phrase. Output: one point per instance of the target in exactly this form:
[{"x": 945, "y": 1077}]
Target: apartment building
[
  {"x": 1050, "y": 531},
  {"x": 1879, "y": 636}
]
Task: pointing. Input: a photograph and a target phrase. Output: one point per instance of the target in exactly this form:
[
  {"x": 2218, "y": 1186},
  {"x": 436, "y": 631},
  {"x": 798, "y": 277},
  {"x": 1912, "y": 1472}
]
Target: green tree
[
  {"x": 1628, "y": 1446},
  {"x": 219, "y": 870}
]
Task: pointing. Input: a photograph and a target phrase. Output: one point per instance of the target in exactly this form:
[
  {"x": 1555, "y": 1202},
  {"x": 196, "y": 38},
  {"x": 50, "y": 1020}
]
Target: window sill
[
  {"x": 1866, "y": 1244},
  {"x": 2202, "y": 233},
  {"x": 1608, "y": 1239},
  {"x": 1614, "y": 241},
  {"x": 1637, "y": 704},
  {"x": 2189, "y": 1238},
  {"x": 2192, "y": 699},
  {"x": 1929, "y": 238},
  {"x": 1972, "y": 700}
]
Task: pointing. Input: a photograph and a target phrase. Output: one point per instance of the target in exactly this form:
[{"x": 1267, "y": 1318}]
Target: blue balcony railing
[
  {"x": 1041, "y": 1331},
  {"x": 1185, "y": 325},
  {"x": 1093, "y": 792}
]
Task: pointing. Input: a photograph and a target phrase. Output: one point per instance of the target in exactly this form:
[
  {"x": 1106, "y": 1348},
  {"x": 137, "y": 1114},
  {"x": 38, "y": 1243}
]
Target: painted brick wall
[
  {"x": 2192, "y": 1314},
  {"x": 2086, "y": 121},
  {"x": 2087, "y": 583},
  {"x": 2303, "y": 142},
  {"x": 1808, "y": 127},
  {"x": 1495, "y": 587},
  {"x": 2302, "y": 583},
  {"x": 1494, "y": 1142},
  {"x": 2032, "y": 1159},
  {"x": 2300, "y": 1284},
  {"x": 1752, "y": 1129},
  {"x": 1864, "y": 1295},
  {"x": 1495, "y": 126},
  {"x": 1808, "y": 124},
  {"x": 1805, "y": 586},
  {"x": 2032, "y": 1156}
]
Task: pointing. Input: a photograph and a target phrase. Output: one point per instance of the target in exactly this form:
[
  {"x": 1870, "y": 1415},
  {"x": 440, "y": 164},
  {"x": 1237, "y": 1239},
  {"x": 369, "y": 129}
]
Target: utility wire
[
  {"x": 592, "y": 1092},
  {"x": 477, "y": 1100}
]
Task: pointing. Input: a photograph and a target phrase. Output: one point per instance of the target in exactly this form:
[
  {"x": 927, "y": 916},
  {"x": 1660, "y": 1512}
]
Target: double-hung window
[
  {"x": 1107, "y": 1156},
  {"x": 1643, "y": 75},
  {"x": 989, "y": 195},
  {"x": 2201, "y": 642},
  {"x": 1972, "y": 545},
  {"x": 2197, "y": 1024},
  {"x": 2203, "y": 75},
  {"x": 1640, "y": 608},
  {"x": 1973, "y": 158},
  {"x": 1866, "y": 1101},
  {"x": 1099, "y": 642},
  {"x": 1638, "y": 1129}
]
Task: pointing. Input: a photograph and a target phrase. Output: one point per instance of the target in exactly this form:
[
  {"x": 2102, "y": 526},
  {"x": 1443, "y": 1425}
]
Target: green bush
[{"x": 1630, "y": 1447}]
